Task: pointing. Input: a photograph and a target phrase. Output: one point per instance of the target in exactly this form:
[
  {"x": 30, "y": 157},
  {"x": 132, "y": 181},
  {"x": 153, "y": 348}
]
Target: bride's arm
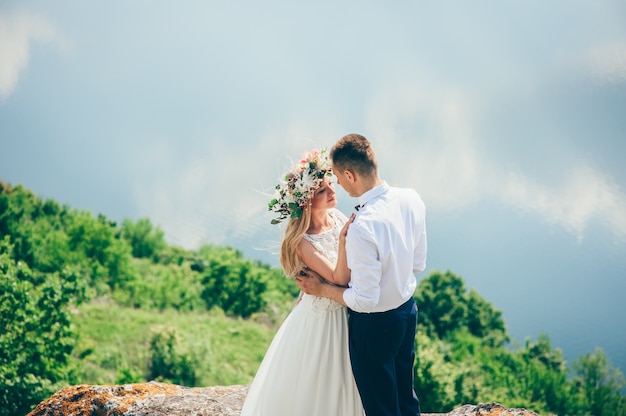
[{"x": 338, "y": 274}]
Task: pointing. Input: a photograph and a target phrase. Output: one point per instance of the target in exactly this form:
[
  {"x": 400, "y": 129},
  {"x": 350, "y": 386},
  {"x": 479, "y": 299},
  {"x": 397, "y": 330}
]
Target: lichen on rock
[{"x": 161, "y": 399}]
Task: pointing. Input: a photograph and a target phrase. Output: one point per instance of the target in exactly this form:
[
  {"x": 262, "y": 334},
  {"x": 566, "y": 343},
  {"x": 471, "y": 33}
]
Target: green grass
[{"x": 114, "y": 343}]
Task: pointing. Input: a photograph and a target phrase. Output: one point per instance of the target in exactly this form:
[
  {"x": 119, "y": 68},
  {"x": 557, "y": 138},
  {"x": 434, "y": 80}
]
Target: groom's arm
[{"x": 311, "y": 283}]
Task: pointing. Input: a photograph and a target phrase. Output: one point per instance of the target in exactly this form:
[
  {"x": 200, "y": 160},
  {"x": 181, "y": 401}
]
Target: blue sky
[{"x": 507, "y": 117}]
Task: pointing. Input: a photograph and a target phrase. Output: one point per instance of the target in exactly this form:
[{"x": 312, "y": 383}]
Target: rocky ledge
[{"x": 159, "y": 399}]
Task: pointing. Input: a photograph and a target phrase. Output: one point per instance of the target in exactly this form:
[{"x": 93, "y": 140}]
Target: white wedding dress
[{"x": 306, "y": 369}]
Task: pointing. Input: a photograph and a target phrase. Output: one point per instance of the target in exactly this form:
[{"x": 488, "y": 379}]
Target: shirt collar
[{"x": 373, "y": 193}]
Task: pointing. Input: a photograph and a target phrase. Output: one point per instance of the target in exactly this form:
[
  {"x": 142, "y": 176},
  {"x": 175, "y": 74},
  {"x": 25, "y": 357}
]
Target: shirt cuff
[{"x": 349, "y": 297}]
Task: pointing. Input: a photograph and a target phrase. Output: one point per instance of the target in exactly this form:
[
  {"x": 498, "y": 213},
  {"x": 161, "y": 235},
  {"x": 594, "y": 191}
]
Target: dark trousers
[{"x": 382, "y": 352}]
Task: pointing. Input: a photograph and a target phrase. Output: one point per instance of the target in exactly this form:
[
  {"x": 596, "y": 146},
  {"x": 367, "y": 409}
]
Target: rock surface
[
  {"x": 155, "y": 399},
  {"x": 159, "y": 399}
]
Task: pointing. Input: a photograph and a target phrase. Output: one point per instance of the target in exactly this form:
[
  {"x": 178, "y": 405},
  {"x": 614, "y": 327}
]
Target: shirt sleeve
[
  {"x": 419, "y": 257},
  {"x": 419, "y": 252},
  {"x": 366, "y": 270}
]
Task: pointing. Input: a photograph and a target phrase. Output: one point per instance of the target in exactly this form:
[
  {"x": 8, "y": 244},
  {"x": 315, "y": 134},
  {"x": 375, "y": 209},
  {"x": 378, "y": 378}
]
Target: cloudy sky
[{"x": 509, "y": 118}]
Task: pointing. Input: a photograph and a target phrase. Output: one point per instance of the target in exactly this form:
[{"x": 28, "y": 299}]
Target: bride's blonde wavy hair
[
  {"x": 296, "y": 227},
  {"x": 292, "y": 201}
]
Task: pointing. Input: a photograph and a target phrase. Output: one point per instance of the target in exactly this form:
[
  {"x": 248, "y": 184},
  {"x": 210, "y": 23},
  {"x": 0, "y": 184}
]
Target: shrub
[{"x": 169, "y": 362}]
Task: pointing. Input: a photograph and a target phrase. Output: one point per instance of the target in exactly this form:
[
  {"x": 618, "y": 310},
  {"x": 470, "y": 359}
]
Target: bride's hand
[{"x": 344, "y": 230}]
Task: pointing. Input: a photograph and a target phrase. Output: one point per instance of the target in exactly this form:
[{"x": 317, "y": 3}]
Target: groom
[{"x": 386, "y": 247}]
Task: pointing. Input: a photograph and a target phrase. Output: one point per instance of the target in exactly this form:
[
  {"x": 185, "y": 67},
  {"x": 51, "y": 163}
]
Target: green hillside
[{"x": 87, "y": 300}]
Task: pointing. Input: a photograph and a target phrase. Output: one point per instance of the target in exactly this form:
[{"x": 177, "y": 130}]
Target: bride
[{"x": 306, "y": 369}]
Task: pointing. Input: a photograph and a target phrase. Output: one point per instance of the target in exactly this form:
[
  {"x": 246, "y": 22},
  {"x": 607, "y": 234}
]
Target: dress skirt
[{"x": 306, "y": 370}]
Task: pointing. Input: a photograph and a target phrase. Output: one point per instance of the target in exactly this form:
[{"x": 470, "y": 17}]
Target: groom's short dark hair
[{"x": 354, "y": 152}]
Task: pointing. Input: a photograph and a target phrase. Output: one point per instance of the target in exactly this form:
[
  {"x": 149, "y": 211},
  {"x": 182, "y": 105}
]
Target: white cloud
[
  {"x": 221, "y": 193},
  {"x": 607, "y": 63},
  {"x": 424, "y": 139},
  {"x": 17, "y": 34},
  {"x": 586, "y": 196}
]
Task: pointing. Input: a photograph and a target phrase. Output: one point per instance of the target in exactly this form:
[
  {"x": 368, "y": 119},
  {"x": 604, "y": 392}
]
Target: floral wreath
[{"x": 295, "y": 191}]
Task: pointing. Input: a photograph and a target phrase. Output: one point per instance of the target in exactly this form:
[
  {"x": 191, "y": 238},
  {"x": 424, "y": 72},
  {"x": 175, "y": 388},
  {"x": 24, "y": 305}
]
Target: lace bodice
[{"x": 327, "y": 243}]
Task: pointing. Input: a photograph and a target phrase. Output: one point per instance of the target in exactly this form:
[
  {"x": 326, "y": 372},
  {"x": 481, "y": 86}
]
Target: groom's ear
[{"x": 350, "y": 175}]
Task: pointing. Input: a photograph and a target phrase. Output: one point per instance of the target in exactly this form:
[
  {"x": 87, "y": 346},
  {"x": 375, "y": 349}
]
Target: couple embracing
[{"x": 348, "y": 346}]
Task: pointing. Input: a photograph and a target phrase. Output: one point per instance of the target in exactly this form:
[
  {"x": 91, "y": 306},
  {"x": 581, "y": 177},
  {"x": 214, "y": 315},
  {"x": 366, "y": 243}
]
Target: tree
[
  {"x": 484, "y": 321},
  {"x": 169, "y": 362},
  {"x": 48, "y": 238},
  {"x": 446, "y": 307},
  {"x": 234, "y": 284},
  {"x": 37, "y": 338},
  {"x": 598, "y": 386},
  {"x": 442, "y": 309},
  {"x": 18, "y": 207},
  {"x": 146, "y": 241},
  {"x": 102, "y": 255},
  {"x": 541, "y": 376}
]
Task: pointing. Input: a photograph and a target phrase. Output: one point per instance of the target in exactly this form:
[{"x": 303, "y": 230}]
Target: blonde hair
[{"x": 296, "y": 227}]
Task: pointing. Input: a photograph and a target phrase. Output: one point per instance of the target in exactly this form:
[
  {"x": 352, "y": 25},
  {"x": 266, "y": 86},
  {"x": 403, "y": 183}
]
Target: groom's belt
[{"x": 405, "y": 304}]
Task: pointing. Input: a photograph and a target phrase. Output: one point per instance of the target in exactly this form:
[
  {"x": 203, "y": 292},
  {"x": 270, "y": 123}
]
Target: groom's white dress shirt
[{"x": 386, "y": 247}]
